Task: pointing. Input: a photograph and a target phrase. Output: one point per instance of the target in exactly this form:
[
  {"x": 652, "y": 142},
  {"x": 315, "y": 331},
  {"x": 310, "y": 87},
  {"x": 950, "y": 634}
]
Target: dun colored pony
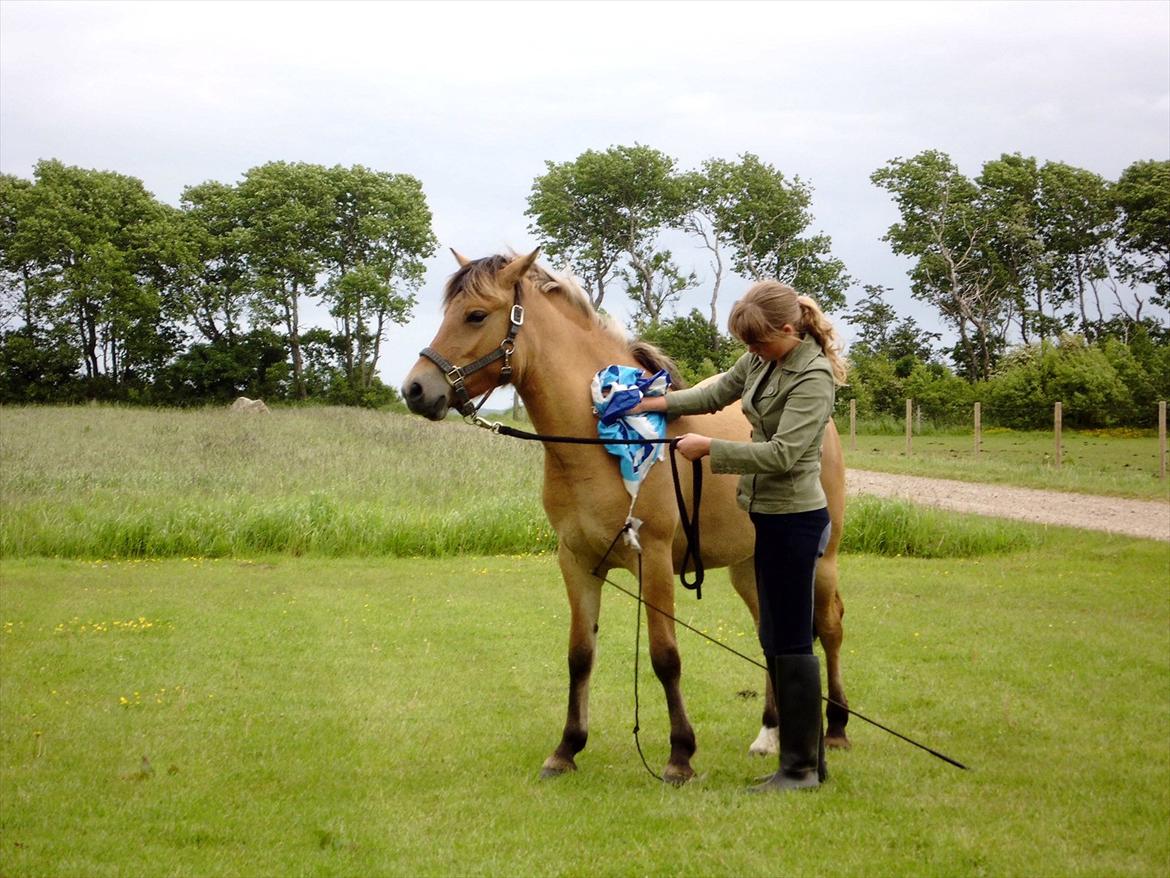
[{"x": 553, "y": 355}]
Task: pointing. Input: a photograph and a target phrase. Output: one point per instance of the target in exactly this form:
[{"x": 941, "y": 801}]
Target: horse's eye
[{"x": 477, "y": 317}]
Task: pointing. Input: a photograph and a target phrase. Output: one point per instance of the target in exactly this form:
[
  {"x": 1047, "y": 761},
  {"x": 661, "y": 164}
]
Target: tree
[
  {"x": 90, "y": 248},
  {"x": 697, "y": 348},
  {"x": 1143, "y": 195},
  {"x": 603, "y": 206},
  {"x": 882, "y": 334},
  {"x": 1009, "y": 201},
  {"x": 253, "y": 364},
  {"x": 764, "y": 218},
  {"x": 213, "y": 289},
  {"x": 1076, "y": 218},
  {"x": 380, "y": 234},
  {"x": 286, "y": 211},
  {"x": 948, "y": 234},
  {"x": 653, "y": 281}
]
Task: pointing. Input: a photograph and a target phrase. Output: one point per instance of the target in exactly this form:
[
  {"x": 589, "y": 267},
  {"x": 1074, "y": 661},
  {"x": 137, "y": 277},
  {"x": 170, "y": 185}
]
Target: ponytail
[{"x": 815, "y": 323}]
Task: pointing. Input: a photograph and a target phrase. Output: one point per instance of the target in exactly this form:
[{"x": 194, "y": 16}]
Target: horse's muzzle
[{"x": 426, "y": 392}]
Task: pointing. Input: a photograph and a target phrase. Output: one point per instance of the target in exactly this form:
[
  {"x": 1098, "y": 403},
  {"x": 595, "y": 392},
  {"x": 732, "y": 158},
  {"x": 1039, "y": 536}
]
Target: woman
[{"x": 786, "y": 382}]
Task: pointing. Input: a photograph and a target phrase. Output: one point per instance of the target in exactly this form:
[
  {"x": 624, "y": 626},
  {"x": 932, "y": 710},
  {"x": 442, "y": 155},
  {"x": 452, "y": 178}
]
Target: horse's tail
[{"x": 652, "y": 359}]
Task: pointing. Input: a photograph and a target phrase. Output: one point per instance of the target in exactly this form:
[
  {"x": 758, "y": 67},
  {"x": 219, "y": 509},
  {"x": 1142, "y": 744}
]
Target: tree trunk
[
  {"x": 1080, "y": 274},
  {"x": 292, "y": 324},
  {"x": 715, "y": 291}
]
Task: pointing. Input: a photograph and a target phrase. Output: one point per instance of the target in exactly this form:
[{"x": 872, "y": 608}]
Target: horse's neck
[{"x": 555, "y": 384}]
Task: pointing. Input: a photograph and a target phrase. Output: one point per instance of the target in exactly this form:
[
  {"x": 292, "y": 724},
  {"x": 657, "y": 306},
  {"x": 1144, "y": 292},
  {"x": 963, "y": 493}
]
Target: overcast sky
[{"x": 472, "y": 98}]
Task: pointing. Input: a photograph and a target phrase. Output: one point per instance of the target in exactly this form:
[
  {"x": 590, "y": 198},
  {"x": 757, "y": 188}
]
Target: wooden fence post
[
  {"x": 909, "y": 424},
  {"x": 918, "y": 418},
  {"x": 978, "y": 429},
  {"x": 1162, "y": 439},
  {"x": 1056, "y": 424},
  {"x": 853, "y": 425}
]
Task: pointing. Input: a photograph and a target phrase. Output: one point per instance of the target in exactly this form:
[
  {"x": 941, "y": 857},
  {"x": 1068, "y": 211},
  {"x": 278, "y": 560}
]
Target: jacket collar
[{"x": 801, "y": 355}]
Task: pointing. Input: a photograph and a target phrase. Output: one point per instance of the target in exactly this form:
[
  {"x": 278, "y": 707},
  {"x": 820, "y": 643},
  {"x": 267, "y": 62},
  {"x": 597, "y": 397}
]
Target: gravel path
[{"x": 1136, "y": 518}]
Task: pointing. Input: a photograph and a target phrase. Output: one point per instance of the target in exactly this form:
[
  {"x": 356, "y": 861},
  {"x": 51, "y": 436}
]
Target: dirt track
[{"x": 1137, "y": 518}]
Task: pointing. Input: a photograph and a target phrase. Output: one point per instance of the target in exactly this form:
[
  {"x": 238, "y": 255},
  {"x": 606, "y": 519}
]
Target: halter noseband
[{"x": 455, "y": 374}]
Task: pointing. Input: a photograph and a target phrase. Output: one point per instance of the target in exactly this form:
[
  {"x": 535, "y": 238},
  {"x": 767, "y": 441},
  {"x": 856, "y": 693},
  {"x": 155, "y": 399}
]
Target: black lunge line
[{"x": 825, "y": 698}]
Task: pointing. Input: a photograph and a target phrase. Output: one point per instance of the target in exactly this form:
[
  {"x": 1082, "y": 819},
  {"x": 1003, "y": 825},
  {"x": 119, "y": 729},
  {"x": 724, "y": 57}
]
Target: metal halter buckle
[{"x": 517, "y": 315}]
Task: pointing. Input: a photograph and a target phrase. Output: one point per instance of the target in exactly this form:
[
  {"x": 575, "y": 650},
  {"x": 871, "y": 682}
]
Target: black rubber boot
[{"x": 797, "y": 681}]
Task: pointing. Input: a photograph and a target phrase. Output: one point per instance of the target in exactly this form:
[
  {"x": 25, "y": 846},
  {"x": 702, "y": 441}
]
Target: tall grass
[{"x": 108, "y": 482}]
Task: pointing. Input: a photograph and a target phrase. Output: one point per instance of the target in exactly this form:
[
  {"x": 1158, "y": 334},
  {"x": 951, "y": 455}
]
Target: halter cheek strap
[{"x": 455, "y": 375}]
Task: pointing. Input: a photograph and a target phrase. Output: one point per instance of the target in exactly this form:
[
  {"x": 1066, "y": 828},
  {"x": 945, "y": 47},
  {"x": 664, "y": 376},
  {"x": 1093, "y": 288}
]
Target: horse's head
[{"x": 472, "y": 351}]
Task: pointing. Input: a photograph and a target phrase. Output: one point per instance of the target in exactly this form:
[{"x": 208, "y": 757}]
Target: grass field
[
  {"x": 366, "y": 678},
  {"x": 283, "y": 716},
  {"x": 1113, "y": 462},
  {"x": 107, "y": 482}
]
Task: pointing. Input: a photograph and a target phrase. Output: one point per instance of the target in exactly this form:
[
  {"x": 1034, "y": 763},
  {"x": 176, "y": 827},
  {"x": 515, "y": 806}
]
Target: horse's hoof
[
  {"x": 838, "y": 742},
  {"x": 767, "y": 742},
  {"x": 677, "y": 775},
  {"x": 555, "y": 766}
]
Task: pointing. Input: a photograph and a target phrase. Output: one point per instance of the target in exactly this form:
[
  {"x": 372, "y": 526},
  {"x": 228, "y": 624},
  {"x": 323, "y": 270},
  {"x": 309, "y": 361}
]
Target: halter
[{"x": 455, "y": 374}]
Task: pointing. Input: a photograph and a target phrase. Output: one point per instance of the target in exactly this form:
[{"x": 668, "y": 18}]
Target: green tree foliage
[
  {"x": 84, "y": 265},
  {"x": 1143, "y": 195},
  {"x": 697, "y": 348},
  {"x": 1080, "y": 376},
  {"x": 381, "y": 233},
  {"x": 213, "y": 289},
  {"x": 603, "y": 213},
  {"x": 286, "y": 211},
  {"x": 606, "y": 209},
  {"x": 253, "y": 364},
  {"x": 751, "y": 207},
  {"x": 945, "y": 230},
  {"x": 881, "y": 333},
  {"x": 1076, "y": 217},
  {"x": 174, "y": 305}
]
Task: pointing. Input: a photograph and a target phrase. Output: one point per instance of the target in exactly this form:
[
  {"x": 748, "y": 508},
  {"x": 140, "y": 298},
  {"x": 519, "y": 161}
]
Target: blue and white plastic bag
[{"x": 616, "y": 390}]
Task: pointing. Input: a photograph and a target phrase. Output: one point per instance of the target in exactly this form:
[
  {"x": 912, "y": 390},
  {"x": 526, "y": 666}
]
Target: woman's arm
[
  {"x": 807, "y": 408},
  {"x": 650, "y": 404},
  {"x": 714, "y": 396}
]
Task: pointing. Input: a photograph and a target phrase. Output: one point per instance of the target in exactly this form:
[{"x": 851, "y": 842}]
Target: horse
[{"x": 553, "y": 343}]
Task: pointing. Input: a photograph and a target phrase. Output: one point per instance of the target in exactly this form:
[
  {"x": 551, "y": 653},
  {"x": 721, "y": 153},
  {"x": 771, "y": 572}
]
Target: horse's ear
[
  {"x": 517, "y": 268},
  {"x": 460, "y": 258}
]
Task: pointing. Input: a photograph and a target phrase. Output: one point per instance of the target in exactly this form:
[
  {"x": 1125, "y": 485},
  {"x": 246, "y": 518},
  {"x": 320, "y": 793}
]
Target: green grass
[
  {"x": 101, "y": 482},
  {"x": 1119, "y": 463},
  {"x": 370, "y": 717},
  {"x": 106, "y": 482}
]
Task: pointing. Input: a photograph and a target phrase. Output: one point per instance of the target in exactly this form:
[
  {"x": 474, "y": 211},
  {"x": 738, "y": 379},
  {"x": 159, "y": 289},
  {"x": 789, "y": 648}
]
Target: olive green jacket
[{"x": 781, "y": 465}]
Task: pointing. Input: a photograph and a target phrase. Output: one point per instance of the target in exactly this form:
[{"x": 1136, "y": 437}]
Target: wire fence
[{"x": 919, "y": 421}]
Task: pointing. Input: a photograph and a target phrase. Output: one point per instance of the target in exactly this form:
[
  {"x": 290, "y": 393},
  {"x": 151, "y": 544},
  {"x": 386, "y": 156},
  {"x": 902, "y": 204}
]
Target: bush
[{"x": 1032, "y": 379}]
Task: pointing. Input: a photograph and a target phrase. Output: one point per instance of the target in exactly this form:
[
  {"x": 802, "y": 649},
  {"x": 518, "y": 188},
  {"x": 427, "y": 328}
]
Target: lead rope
[{"x": 637, "y": 656}]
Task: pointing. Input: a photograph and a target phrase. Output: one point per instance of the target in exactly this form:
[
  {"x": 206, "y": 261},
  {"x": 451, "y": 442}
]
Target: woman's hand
[
  {"x": 694, "y": 446},
  {"x": 649, "y": 404}
]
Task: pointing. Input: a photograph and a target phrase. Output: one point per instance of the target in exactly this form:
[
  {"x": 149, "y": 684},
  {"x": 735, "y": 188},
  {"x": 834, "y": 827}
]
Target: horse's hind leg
[
  {"x": 584, "y": 591},
  {"x": 829, "y": 610},
  {"x": 767, "y": 742}
]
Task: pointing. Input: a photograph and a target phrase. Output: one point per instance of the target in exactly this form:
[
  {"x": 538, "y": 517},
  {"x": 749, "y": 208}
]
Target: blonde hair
[{"x": 769, "y": 304}]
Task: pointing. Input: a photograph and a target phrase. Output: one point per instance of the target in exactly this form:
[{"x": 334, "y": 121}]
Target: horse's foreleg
[
  {"x": 829, "y": 610},
  {"x": 584, "y": 591},
  {"x": 767, "y": 742},
  {"x": 658, "y": 579}
]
